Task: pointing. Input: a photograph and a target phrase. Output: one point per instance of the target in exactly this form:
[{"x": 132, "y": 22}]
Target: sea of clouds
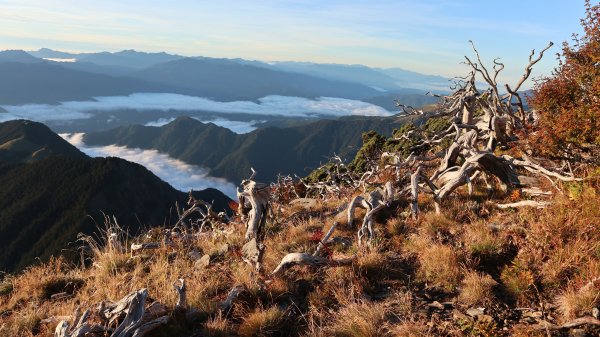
[
  {"x": 269, "y": 105},
  {"x": 180, "y": 175}
]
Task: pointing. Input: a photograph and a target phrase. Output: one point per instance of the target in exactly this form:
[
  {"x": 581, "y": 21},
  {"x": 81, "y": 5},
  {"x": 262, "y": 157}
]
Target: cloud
[
  {"x": 269, "y": 105},
  {"x": 41, "y": 113},
  {"x": 180, "y": 175}
]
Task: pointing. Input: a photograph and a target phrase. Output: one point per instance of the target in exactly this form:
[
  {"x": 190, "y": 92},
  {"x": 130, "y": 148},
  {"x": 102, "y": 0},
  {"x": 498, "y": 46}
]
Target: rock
[
  {"x": 485, "y": 318},
  {"x": 457, "y": 315},
  {"x": 195, "y": 254},
  {"x": 596, "y": 313},
  {"x": 473, "y": 312},
  {"x": 436, "y": 305},
  {"x": 202, "y": 262},
  {"x": 531, "y": 316},
  {"x": 306, "y": 203},
  {"x": 220, "y": 251},
  {"x": 250, "y": 250}
]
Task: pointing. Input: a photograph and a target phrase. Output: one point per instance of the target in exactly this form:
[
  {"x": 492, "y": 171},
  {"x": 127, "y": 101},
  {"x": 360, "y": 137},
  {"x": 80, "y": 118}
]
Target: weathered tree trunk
[
  {"x": 258, "y": 196},
  {"x": 135, "y": 321}
]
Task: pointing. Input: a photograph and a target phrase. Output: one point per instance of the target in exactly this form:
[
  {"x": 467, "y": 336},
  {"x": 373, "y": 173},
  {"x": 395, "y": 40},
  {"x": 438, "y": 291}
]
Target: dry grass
[
  {"x": 217, "y": 327},
  {"x": 576, "y": 303},
  {"x": 477, "y": 289},
  {"x": 410, "y": 329},
  {"x": 480, "y": 240},
  {"x": 269, "y": 322},
  {"x": 439, "y": 265},
  {"x": 386, "y": 291},
  {"x": 363, "y": 319},
  {"x": 25, "y": 323},
  {"x": 396, "y": 226},
  {"x": 437, "y": 226}
]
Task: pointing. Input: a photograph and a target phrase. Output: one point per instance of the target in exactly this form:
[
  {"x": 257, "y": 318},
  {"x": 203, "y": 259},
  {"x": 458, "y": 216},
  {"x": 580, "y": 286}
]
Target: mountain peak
[
  {"x": 27, "y": 141},
  {"x": 20, "y": 56}
]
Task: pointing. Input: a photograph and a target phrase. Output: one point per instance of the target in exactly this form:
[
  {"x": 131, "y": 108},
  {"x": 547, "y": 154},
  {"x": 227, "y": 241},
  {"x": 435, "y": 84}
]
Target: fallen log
[
  {"x": 524, "y": 203},
  {"x": 135, "y": 321}
]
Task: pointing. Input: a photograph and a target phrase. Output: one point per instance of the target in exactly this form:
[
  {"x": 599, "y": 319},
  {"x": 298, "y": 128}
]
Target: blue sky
[{"x": 429, "y": 36}]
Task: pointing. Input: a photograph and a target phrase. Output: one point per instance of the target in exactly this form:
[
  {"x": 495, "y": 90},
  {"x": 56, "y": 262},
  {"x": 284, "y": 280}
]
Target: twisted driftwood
[
  {"x": 257, "y": 195},
  {"x": 373, "y": 203},
  {"x": 135, "y": 321}
]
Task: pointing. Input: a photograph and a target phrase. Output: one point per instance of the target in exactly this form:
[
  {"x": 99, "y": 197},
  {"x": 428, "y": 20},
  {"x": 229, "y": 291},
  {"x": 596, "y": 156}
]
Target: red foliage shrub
[{"x": 568, "y": 102}]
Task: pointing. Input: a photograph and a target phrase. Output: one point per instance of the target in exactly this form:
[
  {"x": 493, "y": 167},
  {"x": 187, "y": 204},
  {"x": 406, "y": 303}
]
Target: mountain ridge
[
  {"x": 45, "y": 201},
  {"x": 297, "y": 149}
]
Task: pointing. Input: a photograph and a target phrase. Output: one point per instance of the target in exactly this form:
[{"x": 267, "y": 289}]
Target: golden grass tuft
[
  {"x": 363, "y": 319},
  {"x": 411, "y": 329},
  {"x": 477, "y": 289},
  {"x": 481, "y": 240},
  {"x": 269, "y": 322},
  {"x": 435, "y": 225},
  {"x": 576, "y": 303},
  {"x": 439, "y": 265},
  {"x": 23, "y": 324},
  {"x": 396, "y": 226},
  {"x": 217, "y": 326}
]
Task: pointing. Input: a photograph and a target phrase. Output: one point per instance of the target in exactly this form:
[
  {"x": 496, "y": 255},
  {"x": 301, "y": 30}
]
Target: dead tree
[
  {"x": 372, "y": 203},
  {"x": 204, "y": 211},
  {"x": 257, "y": 195},
  {"x": 480, "y": 120},
  {"x": 254, "y": 202},
  {"x": 130, "y": 313}
]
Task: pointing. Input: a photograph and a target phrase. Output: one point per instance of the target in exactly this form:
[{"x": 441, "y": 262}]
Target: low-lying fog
[{"x": 177, "y": 173}]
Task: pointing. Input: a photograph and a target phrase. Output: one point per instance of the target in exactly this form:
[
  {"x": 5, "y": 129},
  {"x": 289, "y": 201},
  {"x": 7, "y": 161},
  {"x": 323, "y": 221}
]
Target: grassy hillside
[{"x": 470, "y": 271}]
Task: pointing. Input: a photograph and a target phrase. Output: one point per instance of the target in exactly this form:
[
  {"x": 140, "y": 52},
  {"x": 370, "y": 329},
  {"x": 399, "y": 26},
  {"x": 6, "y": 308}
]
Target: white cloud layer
[
  {"x": 269, "y": 105},
  {"x": 41, "y": 113},
  {"x": 177, "y": 173}
]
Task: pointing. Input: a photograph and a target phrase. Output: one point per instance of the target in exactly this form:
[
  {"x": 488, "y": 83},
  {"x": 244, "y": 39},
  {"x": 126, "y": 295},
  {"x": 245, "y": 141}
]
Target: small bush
[{"x": 518, "y": 281}]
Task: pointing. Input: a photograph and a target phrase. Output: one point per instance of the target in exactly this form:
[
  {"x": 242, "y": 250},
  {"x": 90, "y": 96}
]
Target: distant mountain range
[
  {"x": 270, "y": 150},
  {"x": 51, "y": 192},
  {"x": 49, "y": 76}
]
